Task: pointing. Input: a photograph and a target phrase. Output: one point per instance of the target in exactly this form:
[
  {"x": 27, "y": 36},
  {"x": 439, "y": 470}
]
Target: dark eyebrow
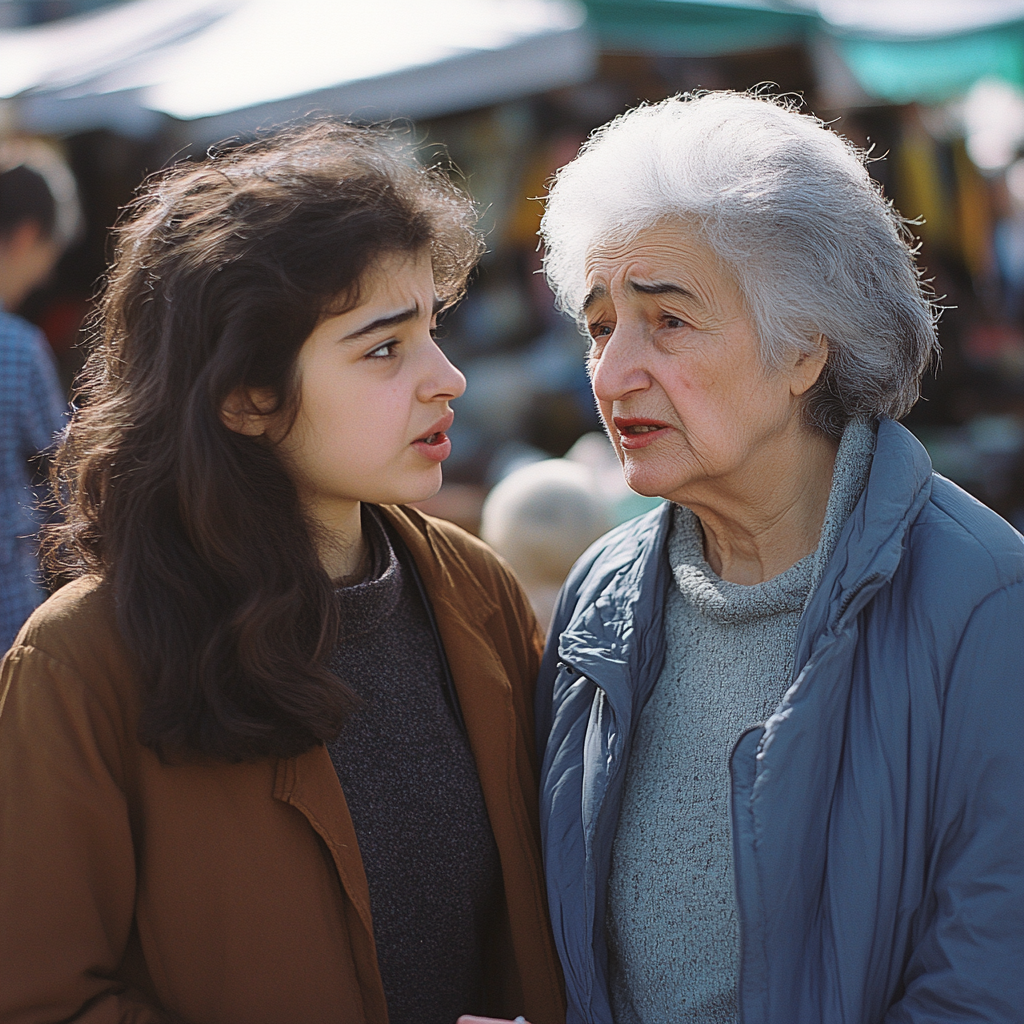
[
  {"x": 597, "y": 292},
  {"x": 385, "y": 322},
  {"x": 659, "y": 288}
]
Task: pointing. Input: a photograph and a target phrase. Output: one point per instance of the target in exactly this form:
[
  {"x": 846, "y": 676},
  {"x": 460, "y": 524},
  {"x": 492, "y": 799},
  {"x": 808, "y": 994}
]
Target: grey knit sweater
[{"x": 672, "y": 927}]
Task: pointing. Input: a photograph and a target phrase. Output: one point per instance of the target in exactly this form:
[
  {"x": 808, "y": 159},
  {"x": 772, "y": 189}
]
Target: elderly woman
[{"x": 780, "y": 715}]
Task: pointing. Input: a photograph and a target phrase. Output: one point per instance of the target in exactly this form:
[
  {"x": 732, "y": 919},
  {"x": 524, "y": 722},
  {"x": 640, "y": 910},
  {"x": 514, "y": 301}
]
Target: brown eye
[{"x": 385, "y": 351}]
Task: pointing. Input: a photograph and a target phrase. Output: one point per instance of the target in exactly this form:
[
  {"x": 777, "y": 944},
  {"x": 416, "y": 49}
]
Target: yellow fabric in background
[
  {"x": 921, "y": 191},
  {"x": 974, "y": 214}
]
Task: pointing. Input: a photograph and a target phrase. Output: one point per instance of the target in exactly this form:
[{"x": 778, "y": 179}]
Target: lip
[
  {"x": 442, "y": 446},
  {"x": 633, "y": 442}
]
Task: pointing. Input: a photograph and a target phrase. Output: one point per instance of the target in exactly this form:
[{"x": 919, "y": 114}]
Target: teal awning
[
  {"x": 893, "y": 54},
  {"x": 934, "y": 70},
  {"x": 694, "y": 29}
]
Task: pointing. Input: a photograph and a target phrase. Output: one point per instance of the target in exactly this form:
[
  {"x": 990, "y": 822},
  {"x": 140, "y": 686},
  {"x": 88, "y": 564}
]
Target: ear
[
  {"x": 248, "y": 411},
  {"x": 807, "y": 367}
]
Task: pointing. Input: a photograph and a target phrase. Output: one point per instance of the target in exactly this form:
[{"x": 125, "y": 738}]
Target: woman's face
[
  {"x": 374, "y": 390},
  {"x": 676, "y": 369}
]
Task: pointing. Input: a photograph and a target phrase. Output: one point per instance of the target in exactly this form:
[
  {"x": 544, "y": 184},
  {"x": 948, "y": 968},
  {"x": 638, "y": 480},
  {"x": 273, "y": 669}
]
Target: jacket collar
[
  {"x": 466, "y": 614},
  {"x": 622, "y": 596},
  {"x": 309, "y": 782},
  {"x": 620, "y": 607},
  {"x": 871, "y": 544},
  {"x": 446, "y": 575}
]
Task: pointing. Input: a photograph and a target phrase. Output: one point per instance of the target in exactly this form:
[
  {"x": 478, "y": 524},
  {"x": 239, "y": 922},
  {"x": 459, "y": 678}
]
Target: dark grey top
[{"x": 414, "y": 795}]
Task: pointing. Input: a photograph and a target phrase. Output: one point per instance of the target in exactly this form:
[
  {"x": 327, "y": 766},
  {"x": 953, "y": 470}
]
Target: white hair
[{"x": 789, "y": 207}]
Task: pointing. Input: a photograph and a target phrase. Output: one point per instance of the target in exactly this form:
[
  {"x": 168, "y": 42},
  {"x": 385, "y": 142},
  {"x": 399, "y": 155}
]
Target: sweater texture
[
  {"x": 672, "y": 924},
  {"x": 414, "y": 796}
]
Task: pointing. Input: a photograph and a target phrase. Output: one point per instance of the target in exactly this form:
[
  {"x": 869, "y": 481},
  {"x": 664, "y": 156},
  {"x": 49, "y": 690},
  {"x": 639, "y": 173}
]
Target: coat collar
[
  {"x": 871, "y": 543},
  {"x": 446, "y": 574},
  {"x": 619, "y": 606}
]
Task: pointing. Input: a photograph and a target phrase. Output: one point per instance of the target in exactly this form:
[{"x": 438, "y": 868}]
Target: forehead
[
  {"x": 671, "y": 252},
  {"x": 392, "y": 278},
  {"x": 672, "y": 242},
  {"x": 394, "y": 272}
]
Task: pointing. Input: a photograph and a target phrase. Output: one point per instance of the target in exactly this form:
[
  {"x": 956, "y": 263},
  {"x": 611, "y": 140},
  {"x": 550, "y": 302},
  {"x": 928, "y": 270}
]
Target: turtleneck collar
[{"x": 364, "y": 605}]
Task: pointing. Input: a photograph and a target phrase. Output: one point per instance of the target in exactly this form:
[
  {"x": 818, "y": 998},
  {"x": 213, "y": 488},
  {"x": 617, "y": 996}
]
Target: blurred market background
[{"x": 510, "y": 89}]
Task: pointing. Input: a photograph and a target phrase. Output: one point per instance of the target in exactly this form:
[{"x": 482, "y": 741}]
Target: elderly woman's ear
[{"x": 806, "y": 367}]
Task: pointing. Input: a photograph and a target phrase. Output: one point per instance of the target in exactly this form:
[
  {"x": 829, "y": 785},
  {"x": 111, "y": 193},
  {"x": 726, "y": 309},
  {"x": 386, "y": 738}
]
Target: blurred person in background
[
  {"x": 541, "y": 518},
  {"x": 779, "y": 717},
  {"x": 270, "y": 756},
  {"x": 38, "y": 218}
]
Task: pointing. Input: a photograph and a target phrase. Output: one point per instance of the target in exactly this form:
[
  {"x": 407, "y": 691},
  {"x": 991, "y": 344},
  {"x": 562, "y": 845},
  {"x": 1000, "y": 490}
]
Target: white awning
[
  {"x": 226, "y": 66},
  {"x": 914, "y": 19}
]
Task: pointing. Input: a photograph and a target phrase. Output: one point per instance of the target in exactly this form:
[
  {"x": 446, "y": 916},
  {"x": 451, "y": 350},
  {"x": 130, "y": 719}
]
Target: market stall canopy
[
  {"x": 228, "y": 66},
  {"x": 701, "y": 29},
  {"x": 925, "y": 50},
  {"x": 895, "y": 50}
]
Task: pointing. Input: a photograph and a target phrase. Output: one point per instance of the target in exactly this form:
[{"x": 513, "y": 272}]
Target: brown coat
[{"x": 135, "y": 891}]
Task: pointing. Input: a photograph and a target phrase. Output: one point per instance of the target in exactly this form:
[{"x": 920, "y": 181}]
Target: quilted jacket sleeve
[{"x": 967, "y": 962}]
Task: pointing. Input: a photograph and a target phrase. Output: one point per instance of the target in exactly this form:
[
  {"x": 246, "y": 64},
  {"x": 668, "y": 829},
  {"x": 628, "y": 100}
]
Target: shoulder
[
  {"x": 20, "y": 341},
  {"x": 74, "y": 632},
  {"x": 440, "y": 546},
  {"x": 68, "y": 694},
  {"x": 618, "y": 564},
  {"x": 960, "y": 572},
  {"x": 949, "y": 550},
  {"x": 28, "y": 372},
  {"x": 958, "y": 546}
]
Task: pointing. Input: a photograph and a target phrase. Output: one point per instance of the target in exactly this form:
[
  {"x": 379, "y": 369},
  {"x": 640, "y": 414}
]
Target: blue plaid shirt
[{"x": 32, "y": 410}]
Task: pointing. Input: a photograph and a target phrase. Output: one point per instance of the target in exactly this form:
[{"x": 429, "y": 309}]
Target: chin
[
  {"x": 650, "y": 485},
  {"x": 660, "y": 475},
  {"x": 419, "y": 490}
]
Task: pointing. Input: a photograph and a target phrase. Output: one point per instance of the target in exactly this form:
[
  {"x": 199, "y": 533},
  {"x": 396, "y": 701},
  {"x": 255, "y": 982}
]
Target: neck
[
  {"x": 11, "y": 291},
  {"x": 753, "y": 532},
  {"x": 339, "y": 540}
]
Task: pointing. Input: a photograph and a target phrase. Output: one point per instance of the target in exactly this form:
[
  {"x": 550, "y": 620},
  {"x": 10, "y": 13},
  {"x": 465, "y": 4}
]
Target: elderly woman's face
[{"x": 676, "y": 367}]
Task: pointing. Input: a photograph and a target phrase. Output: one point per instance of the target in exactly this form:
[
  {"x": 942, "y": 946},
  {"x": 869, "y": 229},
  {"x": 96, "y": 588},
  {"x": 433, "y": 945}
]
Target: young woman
[{"x": 269, "y": 758}]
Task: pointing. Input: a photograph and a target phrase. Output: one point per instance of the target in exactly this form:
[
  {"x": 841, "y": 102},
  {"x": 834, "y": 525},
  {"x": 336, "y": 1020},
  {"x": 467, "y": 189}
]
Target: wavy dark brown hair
[{"x": 222, "y": 269}]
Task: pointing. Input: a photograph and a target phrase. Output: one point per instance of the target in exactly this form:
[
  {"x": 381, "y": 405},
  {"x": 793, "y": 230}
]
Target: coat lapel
[{"x": 310, "y": 784}]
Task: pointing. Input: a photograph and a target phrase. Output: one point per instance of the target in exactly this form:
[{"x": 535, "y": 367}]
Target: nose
[
  {"x": 619, "y": 371},
  {"x": 443, "y": 381}
]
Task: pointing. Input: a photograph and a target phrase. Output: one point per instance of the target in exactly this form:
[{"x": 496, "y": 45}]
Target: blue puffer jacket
[{"x": 877, "y": 817}]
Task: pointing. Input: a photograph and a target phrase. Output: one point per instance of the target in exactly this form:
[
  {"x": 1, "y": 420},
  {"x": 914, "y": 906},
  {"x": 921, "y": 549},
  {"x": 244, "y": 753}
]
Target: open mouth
[
  {"x": 636, "y": 432},
  {"x": 436, "y": 446}
]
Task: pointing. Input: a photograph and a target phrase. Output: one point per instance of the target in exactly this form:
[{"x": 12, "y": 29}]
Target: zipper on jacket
[{"x": 742, "y": 918}]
